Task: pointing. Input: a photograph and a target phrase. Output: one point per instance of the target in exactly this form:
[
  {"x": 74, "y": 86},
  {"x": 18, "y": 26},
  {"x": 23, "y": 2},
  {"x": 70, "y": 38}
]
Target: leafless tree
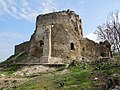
[{"x": 110, "y": 31}]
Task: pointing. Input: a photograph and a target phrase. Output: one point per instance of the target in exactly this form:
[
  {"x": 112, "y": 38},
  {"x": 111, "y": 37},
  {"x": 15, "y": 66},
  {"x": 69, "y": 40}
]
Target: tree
[{"x": 110, "y": 31}]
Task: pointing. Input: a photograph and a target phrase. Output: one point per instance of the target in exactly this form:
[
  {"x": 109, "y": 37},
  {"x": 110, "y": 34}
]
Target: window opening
[
  {"x": 75, "y": 28},
  {"x": 83, "y": 49},
  {"x": 72, "y": 46},
  {"x": 41, "y": 43},
  {"x": 102, "y": 55}
]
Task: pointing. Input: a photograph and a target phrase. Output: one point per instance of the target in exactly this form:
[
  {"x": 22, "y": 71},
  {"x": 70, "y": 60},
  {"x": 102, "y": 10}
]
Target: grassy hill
[
  {"x": 102, "y": 74},
  {"x": 14, "y": 59},
  {"x": 9, "y": 66},
  {"x": 82, "y": 76}
]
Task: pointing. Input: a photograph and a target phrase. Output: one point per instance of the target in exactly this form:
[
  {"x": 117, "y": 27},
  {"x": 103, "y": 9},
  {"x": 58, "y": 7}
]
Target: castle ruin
[{"x": 59, "y": 36}]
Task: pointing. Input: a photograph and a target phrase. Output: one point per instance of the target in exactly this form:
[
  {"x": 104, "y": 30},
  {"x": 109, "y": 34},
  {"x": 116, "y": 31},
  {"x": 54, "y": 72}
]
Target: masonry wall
[
  {"x": 36, "y": 49},
  {"x": 94, "y": 50},
  {"x": 105, "y": 49},
  {"x": 68, "y": 18},
  {"x": 61, "y": 39},
  {"x": 89, "y": 48},
  {"x": 65, "y": 28},
  {"x": 22, "y": 47}
]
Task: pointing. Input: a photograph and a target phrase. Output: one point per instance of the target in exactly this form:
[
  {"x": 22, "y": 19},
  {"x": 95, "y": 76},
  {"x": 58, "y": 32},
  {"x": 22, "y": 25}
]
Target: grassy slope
[
  {"x": 76, "y": 78},
  {"x": 79, "y": 77},
  {"x": 14, "y": 59},
  {"x": 9, "y": 66}
]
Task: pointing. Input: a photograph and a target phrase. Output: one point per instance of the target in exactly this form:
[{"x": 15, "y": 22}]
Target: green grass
[
  {"x": 9, "y": 65},
  {"x": 41, "y": 82},
  {"x": 9, "y": 71},
  {"x": 76, "y": 78},
  {"x": 79, "y": 77},
  {"x": 112, "y": 71},
  {"x": 14, "y": 59},
  {"x": 117, "y": 57}
]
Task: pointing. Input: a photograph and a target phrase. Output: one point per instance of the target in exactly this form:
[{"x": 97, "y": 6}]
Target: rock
[
  {"x": 2, "y": 75},
  {"x": 35, "y": 69},
  {"x": 62, "y": 84}
]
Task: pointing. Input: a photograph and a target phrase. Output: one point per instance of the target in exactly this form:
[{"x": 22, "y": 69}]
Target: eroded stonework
[{"x": 58, "y": 37}]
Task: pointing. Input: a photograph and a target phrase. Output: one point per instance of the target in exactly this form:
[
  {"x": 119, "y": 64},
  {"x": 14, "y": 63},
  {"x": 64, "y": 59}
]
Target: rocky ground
[
  {"x": 11, "y": 83},
  {"x": 31, "y": 70}
]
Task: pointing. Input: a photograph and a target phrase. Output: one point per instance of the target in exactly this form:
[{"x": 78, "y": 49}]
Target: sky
[{"x": 18, "y": 18}]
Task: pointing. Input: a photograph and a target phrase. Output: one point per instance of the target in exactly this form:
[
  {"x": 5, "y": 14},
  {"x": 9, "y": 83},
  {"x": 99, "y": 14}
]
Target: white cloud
[
  {"x": 8, "y": 7},
  {"x": 25, "y": 3},
  {"x": 10, "y": 34},
  {"x": 24, "y": 9},
  {"x": 92, "y": 36},
  {"x": 48, "y": 6}
]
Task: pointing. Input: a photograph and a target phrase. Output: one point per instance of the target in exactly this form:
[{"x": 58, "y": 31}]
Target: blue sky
[{"x": 17, "y": 18}]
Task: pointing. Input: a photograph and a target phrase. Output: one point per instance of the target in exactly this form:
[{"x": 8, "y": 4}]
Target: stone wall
[
  {"x": 64, "y": 42},
  {"x": 67, "y": 18},
  {"x": 22, "y": 47},
  {"x": 105, "y": 49},
  {"x": 40, "y": 45},
  {"x": 55, "y": 29},
  {"x": 89, "y": 48},
  {"x": 95, "y": 50}
]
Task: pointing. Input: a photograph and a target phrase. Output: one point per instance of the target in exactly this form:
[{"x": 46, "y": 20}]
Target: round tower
[
  {"x": 68, "y": 18},
  {"x": 57, "y": 37}
]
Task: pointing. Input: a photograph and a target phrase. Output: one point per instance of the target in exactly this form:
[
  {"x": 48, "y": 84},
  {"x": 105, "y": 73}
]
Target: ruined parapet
[
  {"x": 23, "y": 47},
  {"x": 105, "y": 49},
  {"x": 68, "y": 18},
  {"x": 89, "y": 48},
  {"x": 95, "y": 50}
]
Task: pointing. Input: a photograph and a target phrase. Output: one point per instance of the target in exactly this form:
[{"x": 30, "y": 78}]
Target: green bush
[{"x": 118, "y": 57}]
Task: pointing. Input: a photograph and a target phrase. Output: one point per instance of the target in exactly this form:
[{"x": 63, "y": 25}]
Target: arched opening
[
  {"x": 83, "y": 49},
  {"x": 80, "y": 27},
  {"x": 72, "y": 46},
  {"x": 41, "y": 43},
  {"x": 102, "y": 55},
  {"x": 81, "y": 33},
  {"x": 40, "y": 49},
  {"x": 75, "y": 28},
  {"x": 80, "y": 21}
]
